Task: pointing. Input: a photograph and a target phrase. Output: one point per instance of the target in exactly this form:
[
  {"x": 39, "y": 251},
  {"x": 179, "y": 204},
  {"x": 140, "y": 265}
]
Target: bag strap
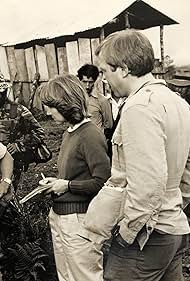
[{"x": 117, "y": 118}]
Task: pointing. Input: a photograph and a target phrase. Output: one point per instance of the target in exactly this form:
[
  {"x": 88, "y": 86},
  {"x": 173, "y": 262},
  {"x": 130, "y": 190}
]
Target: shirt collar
[
  {"x": 76, "y": 126},
  {"x": 147, "y": 83},
  {"x": 94, "y": 93}
]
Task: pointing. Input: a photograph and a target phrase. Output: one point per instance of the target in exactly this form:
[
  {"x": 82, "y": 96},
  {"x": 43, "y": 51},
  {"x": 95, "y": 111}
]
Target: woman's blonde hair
[{"x": 67, "y": 94}]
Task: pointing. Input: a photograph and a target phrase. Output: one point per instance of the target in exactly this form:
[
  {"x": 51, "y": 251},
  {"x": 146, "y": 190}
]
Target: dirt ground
[{"x": 33, "y": 175}]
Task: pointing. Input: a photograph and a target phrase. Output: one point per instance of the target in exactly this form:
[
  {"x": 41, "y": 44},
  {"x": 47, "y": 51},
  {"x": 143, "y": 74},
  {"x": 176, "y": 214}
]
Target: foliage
[
  {"x": 24, "y": 256},
  {"x": 26, "y": 252}
]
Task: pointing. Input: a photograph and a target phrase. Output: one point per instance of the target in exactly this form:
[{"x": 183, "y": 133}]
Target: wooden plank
[
  {"x": 12, "y": 63},
  {"x": 162, "y": 45},
  {"x": 22, "y": 75},
  {"x": 94, "y": 44},
  {"x": 51, "y": 60},
  {"x": 72, "y": 56},
  {"x": 26, "y": 93},
  {"x": 37, "y": 103},
  {"x": 127, "y": 22},
  {"x": 62, "y": 60},
  {"x": 21, "y": 65},
  {"x": 84, "y": 51},
  {"x": 30, "y": 63},
  {"x": 102, "y": 34},
  {"x": 42, "y": 63},
  {"x": 4, "y": 68}
]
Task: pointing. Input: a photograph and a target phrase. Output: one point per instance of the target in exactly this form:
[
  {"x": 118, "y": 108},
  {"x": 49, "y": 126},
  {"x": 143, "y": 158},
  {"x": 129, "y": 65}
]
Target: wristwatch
[{"x": 7, "y": 180}]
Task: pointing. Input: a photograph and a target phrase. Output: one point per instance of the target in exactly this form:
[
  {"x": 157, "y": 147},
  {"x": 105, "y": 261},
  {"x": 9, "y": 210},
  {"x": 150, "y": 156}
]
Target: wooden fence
[{"x": 20, "y": 65}]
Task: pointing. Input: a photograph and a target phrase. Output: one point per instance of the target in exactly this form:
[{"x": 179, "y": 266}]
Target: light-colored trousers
[{"x": 76, "y": 258}]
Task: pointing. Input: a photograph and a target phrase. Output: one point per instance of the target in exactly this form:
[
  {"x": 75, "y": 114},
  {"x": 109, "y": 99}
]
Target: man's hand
[{"x": 12, "y": 148}]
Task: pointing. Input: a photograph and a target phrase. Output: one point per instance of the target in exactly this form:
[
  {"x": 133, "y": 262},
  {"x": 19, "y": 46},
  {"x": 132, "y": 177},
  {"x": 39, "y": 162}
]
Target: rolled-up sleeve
[{"x": 143, "y": 141}]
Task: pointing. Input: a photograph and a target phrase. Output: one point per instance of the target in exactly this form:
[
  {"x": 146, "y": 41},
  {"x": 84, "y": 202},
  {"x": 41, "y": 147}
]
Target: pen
[{"x": 43, "y": 177}]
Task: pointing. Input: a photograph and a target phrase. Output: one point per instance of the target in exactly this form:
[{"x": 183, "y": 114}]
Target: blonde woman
[{"x": 83, "y": 167}]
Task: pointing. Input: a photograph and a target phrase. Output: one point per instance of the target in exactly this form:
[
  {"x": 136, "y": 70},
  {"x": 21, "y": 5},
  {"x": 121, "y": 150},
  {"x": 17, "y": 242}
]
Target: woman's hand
[
  {"x": 58, "y": 186},
  {"x": 47, "y": 180}
]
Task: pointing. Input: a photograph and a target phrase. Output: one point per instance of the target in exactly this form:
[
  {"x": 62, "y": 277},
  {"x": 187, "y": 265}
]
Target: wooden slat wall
[
  {"x": 73, "y": 56},
  {"x": 51, "y": 60},
  {"x": 4, "y": 68},
  {"x": 42, "y": 63},
  {"x": 30, "y": 63},
  {"x": 62, "y": 60},
  {"x": 21, "y": 65},
  {"x": 85, "y": 55}
]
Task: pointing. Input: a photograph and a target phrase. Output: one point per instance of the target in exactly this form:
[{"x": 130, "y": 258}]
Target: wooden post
[
  {"x": 102, "y": 35},
  {"x": 127, "y": 23},
  {"x": 162, "y": 45}
]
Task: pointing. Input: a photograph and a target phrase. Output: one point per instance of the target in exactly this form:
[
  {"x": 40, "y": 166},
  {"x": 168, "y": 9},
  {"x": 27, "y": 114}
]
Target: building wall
[{"x": 20, "y": 65}]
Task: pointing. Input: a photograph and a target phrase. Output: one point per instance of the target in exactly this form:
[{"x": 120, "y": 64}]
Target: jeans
[{"x": 160, "y": 259}]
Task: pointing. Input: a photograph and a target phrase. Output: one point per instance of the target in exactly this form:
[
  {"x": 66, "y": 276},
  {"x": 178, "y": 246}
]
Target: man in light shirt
[{"x": 151, "y": 159}]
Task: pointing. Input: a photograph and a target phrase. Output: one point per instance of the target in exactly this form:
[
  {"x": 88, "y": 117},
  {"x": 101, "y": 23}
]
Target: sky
[{"x": 26, "y": 19}]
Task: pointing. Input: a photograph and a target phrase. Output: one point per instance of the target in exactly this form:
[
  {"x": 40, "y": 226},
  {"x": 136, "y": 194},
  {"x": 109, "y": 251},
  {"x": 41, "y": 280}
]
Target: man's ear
[{"x": 125, "y": 71}]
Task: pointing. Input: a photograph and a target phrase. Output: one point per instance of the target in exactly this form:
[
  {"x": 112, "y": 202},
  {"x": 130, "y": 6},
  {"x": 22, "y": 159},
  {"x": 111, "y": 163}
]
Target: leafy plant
[
  {"x": 23, "y": 256},
  {"x": 30, "y": 261}
]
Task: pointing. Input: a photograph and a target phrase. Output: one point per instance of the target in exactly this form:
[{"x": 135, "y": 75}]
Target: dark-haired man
[{"x": 99, "y": 106}]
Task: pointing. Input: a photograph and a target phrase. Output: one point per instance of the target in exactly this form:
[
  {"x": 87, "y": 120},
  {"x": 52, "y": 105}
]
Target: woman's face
[{"x": 55, "y": 114}]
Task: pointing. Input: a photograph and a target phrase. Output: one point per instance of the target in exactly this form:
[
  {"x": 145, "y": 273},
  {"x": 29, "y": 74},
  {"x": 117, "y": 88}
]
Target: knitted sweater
[{"x": 82, "y": 160}]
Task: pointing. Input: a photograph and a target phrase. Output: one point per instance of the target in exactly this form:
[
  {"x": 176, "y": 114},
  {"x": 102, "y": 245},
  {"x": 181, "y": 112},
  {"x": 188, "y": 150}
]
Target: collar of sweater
[{"x": 76, "y": 126}]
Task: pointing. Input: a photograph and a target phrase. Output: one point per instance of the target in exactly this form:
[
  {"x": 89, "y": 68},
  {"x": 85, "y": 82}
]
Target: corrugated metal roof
[{"x": 141, "y": 16}]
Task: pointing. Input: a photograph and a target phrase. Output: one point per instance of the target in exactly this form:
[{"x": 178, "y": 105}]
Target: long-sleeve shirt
[
  {"x": 100, "y": 110},
  {"x": 150, "y": 150},
  {"x": 83, "y": 160}
]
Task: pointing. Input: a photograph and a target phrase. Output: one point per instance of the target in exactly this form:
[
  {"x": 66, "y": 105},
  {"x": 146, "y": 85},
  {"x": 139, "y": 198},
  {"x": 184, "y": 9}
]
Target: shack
[{"x": 20, "y": 61}]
